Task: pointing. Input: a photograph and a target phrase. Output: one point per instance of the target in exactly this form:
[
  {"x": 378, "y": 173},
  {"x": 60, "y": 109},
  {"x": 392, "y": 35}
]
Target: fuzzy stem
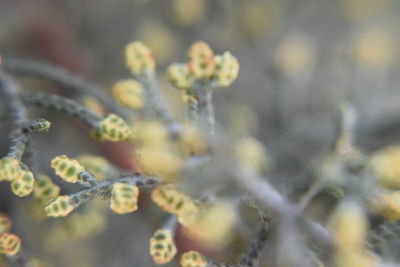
[
  {"x": 86, "y": 179},
  {"x": 210, "y": 112},
  {"x": 87, "y": 194},
  {"x": 170, "y": 224},
  {"x": 62, "y": 104},
  {"x": 344, "y": 146},
  {"x": 311, "y": 192},
  {"x": 193, "y": 109},
  {"x": 64, "y": 78},
  {"x": 270, "y": 198},
  {"x": 17, "y": 115},
  {"x": 138, "y": 180},
  {"x": 154, "y": 100},
  {"x": 20, "y": 138},
  {"x": 205, "y": 117},
  {"x": 249, "y": 258},
  {"x": 104, "y": 187},
  {"x": 18, "y": 144}
]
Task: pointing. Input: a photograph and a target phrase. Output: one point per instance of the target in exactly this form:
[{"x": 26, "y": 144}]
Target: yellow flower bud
[
  {"x": 68, "y": 169},
  {"x": 23, "y": 185},
  {"x": 9, "y": 169},
  {"x": 193, "y": 259},
  {"x": 150, "y": 134},
  {"x": 175, "y": 202},
  {"x": 188, "y": 12},
  {"x": 159, "y": 162},
  {"x": 386, "y": 165},
  {"x": 113, "y": 128},
  {"x": 39, "y": 125},
  {"x": 251, "y": 154},
  {"x": 45, "y": 190},
  {"x": 180, "y": 76},
  {"x": 191, "y": 140},
  {"x": 190, "y": 212},
  {"x": 60, "y": 207},
  {"x": 201, "y": 60},
  {"x": 200, "y": 50},
  {"x": 9, "y": 244},
  {"x": 214, "y": 234},
  {"x": 139, "y": 58},
  {"x": 162, "y": 246},
  {"x": 129, "y": 93},
  {"x": 349, "y": 226},
  {"x": 98, "y": 166},
  {"x": 160, "y": 38},
  {"x": 124, "y": 198},
  {"x": 169, "y": 199},
  {"x": 374, "y": 48},
  {"x": 256, "y": 19},
  {"x": 5, "y": 223},
  {"x": 227, "y": 69},
  {"x": 389, "y": 205},
  {"x": 295, "y": 55}
]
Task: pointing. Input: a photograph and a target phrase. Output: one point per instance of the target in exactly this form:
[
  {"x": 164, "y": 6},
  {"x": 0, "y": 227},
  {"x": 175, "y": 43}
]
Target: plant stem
[
  {"x": 155, "y": 101},
  {"x": 271, "y": 199},
  {"x": 62, "y": 104},
  {"x": 64, "y": 78},
  {"x": 17, "y": 115}
]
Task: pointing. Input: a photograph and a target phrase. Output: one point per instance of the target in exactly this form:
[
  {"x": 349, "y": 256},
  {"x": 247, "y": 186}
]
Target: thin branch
[
  {"x": 171, "y": 224},
  {"x": 87, "y": 179},
  {"x": 210, "y": 112},
  {"x": 64, "y": 78},
  {"x": 103, "y": 188},
  {"x": 154, "y": 100},
  {"x": 271, "y": 199},
  {"x": 251, "y": 256},
  {"x": 16, "y": 113},
  {"x": 62, "y": 104},
  {"x": 193, "y": 108},
  {"x": 20, "y": 139},
  {"x": 311, "y": 192},
  {"x": 205, "y": 116},
  {"x": 344, "y": 147}
]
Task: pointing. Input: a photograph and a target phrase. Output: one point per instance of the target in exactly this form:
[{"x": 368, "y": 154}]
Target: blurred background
[{"x": 299, "y": 61}]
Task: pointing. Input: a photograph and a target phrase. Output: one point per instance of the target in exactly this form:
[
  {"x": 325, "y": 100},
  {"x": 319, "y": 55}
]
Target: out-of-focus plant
[{"x": 199, "y": 174}]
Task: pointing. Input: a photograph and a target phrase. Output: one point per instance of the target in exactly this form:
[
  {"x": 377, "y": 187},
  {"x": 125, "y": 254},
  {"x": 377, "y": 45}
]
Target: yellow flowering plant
[{"x": 200, "y": 177}]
